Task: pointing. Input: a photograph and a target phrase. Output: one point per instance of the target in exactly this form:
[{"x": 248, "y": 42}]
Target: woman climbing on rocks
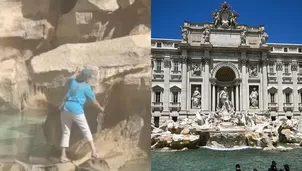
[{"x": 72, "y": 110}]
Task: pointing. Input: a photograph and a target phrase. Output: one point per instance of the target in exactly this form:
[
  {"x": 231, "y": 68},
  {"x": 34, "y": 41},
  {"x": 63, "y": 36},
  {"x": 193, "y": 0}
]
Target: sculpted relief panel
[
  {"x": 196, "y": 69},
  {"x": 253, "y": 70}
]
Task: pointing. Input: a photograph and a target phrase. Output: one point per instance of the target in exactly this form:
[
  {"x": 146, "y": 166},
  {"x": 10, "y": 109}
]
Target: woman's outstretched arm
[
  {"x": 97, "y": 104},
  {"x": 76, "y": 73}
]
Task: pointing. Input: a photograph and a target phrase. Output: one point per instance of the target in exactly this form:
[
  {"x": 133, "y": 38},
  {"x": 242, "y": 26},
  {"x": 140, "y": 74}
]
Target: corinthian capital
[
  {"x": 264, "y": 62},
  {"x": 184, "y": 59},
  {"x": 206, "y": 60},
  {"x": 243, "y": 61},
  {"x": 167, "y": 63},
  {"x": 279, "y": 66},
  {"x": 294, "y": 66}
]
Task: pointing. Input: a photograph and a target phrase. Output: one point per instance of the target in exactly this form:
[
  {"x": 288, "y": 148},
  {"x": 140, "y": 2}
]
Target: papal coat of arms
[{"x": 225, "y": 17}]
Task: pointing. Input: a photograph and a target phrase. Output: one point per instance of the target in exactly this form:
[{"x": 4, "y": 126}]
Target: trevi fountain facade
[{"x": 223, "y": 85}]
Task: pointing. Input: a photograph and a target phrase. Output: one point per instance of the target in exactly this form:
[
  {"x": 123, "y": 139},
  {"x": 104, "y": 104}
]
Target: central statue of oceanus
[{"x": 225, "y": 106}]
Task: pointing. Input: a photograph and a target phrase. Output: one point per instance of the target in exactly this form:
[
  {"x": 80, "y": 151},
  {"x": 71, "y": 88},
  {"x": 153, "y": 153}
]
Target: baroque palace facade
[{"x": 189, "y": 75}]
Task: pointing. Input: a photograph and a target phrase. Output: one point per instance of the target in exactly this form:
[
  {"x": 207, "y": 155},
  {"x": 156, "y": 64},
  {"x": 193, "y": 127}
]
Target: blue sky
[{"x": 282, "y": 19}]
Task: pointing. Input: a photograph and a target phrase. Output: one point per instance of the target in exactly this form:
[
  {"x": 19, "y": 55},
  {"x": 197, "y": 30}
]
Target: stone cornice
[
  {"x": 206, "y": 60},
  {"x": 264, "y": 62}
]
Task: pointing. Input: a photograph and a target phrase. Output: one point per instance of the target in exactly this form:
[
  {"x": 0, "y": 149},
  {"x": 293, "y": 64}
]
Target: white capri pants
[{"x": 67, "y": 119}]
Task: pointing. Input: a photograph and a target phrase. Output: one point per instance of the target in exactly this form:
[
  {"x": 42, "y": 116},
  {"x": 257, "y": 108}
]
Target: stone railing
[
  {"x": 273, "y": 106},
  {"x": 158, "y": 74},
  {"x": 287, "y": 77},
  {"x": 164, "y": 45},
  {"x": 281, "y": 49},
  {"x": 299, "y": 77},
  {"x": 176, "y": 75},
  {"x": 288, "y": 107},
  {"x": 272, "y": 77},
  {"x": 157, "y": 106},
  {"x": 300, "y": 107},
  {"x": 174, "y": 106}
]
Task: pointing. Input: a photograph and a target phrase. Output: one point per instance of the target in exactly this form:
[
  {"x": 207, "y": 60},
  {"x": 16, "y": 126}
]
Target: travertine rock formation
[
  {"x": 31, "y": 27},
  {"x": 43, "y": 41},
  {"x": 188, "y": 133}
]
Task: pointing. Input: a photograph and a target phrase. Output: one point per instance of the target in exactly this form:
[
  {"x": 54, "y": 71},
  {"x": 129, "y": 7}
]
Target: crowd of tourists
[{"x": 273, "y": 167}]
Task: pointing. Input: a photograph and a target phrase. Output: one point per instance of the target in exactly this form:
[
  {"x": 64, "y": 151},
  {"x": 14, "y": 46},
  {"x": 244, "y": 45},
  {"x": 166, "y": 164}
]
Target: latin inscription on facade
[{"x": 225, "y": 39}]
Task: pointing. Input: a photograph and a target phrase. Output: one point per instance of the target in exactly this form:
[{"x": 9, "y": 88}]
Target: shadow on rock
[{"x": 94, "y": 165}]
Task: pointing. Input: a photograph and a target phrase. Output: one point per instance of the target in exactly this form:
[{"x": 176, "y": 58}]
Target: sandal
[{"x": 65, "y": 160}]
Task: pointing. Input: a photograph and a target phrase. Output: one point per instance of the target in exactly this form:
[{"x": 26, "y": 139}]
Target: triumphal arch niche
[
  {"x": 225, "y": 80},
  {"x": 232, "y": 59}
]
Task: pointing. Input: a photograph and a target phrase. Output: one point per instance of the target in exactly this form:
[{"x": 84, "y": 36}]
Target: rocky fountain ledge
[
  {"x": 243, "y": 130},
  {"x": 41, "y": 43}
]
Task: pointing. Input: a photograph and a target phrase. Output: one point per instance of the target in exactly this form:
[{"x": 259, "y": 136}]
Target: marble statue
[
  {"x": 196, "y": 98},
  {"x": 196, "y": 70},
  {"x": 184, "y": 32},
  {"x": 216, "y": 18},
  {"x": 253, "y": 71},
  {"x": 233, "y": 19},
  {"x": 225, "y": 105},
  {"x": 206, "y": 35},
  {"x": 264, "y": 37},
  {"x": 243, "y": 37},
  {"x": 254, "y": 98},
  {"x": 187, "y": 24}
]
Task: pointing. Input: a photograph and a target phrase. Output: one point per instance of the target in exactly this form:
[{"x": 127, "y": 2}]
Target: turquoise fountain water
[
  {"x": 20, "y": 135},
  {"x": 210, "y": 160}
]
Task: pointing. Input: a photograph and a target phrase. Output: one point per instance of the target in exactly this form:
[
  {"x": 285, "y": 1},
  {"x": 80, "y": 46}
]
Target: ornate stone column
[
  {"x": 264, "y": 81},
  {"x": 233, "y": 95},
  {"x": 184, "y": 59},
  {"x": 244, "y": 84},
  {"x": 189, "y": 69},
  {"x": 294, "y": 68},
  {"x": 213, "y": 96},
  {"x": 166, "y": 101},
  {"x": 279, "y": 69},
  {"x": 237, "y": 97},
  {"x": 206, "y": 80}
]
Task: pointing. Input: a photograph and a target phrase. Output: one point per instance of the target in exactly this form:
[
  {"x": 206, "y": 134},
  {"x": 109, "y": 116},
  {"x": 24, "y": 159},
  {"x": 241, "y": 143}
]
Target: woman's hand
[{"x": 76, "y": 73}]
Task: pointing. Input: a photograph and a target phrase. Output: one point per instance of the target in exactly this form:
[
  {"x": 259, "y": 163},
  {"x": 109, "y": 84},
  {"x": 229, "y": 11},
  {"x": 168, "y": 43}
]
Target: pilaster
[
  {"x": 279, "y": 69},
  {"x": 166, "y": 100},
  {"x": 206, "y": 87},
  {"x": 244, "y": 84},
  {"x": 184, "y": 59},
  {"x": 237, "y": 97},
  {"x": 188, "y": 84},
  {"x": 294, "y": 68},
  {"x": 213, "y": 96},
  {"x": 264, "y": 81}
]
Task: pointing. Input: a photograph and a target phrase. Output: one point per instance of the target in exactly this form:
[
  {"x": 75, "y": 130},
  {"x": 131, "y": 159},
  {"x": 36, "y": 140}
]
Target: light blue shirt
[{"x": 77, "y": 95}]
